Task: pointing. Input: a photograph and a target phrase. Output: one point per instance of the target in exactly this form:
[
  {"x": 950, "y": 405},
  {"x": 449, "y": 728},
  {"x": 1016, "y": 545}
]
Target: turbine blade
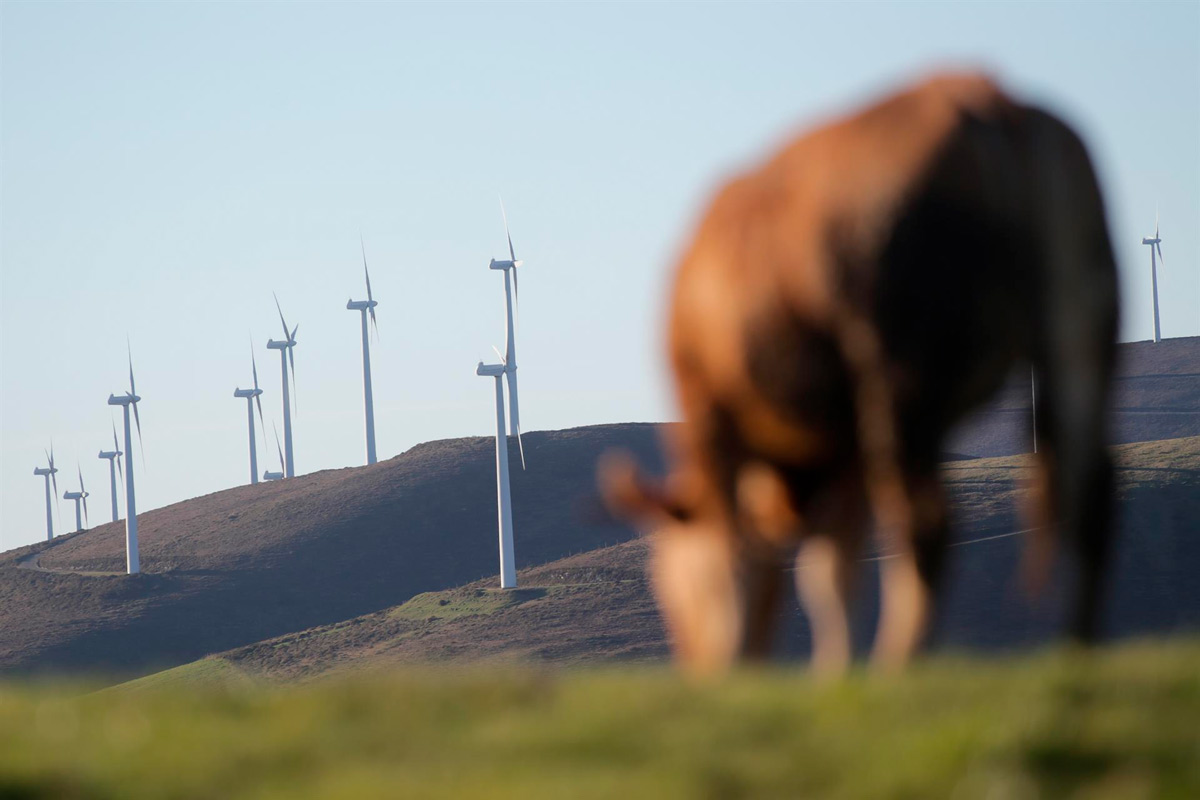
[
  {"x": 291, "y": 351},
  {"x": 258, "y": 399},
  {"x": 366, "y": 271},
  {"x": 508, "y": 235},
  {"x": 278, "y": 447},
  {"x": 521, "y": 447},
  {"x": 120, "y": 472},
  {"x": 80, "y": 471},
  {"x": 129, "y": 350},
  {"x": 86, "y": 522},
  {"x": 516, "y": 302},
  {"x": 281, "y": 319},
  {"x": 496, "y": 350},
  {"x": 253, "y": 366},
  {"x": 116, "y": 447},
  {"x": 1158, "y": 247},
  {"x": 141, "y": 445}
]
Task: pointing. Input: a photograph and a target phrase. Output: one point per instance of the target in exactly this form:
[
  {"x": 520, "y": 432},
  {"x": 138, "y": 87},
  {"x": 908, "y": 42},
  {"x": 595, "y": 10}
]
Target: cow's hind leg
[
  {"x": 911, "y": 573},
  {"x": 1078, "y": 476},
  {"x": 825, "y": 569}
]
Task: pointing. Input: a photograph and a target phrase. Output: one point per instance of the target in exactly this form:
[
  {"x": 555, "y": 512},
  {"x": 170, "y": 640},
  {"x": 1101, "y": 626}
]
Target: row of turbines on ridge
[{"x": 504, "y": 371}]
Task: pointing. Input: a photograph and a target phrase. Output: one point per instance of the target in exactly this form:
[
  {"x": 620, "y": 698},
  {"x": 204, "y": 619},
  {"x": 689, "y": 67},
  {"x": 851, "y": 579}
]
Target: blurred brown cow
[{"x": 838, "y": 310}]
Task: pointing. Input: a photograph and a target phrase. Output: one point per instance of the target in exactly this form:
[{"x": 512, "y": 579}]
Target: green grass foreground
[{"x": 1118, "y": 723}]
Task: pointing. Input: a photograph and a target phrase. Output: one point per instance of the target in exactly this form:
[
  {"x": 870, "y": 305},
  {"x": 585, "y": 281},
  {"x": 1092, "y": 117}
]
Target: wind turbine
[
  {"x": 508, "y": 569},
  {"x": 127, "y": 400},
  {"x": 363, "y": 306},
  {"x": 1155, "y": 247},
  {"x": 252, "y": 397},
  {"x": 286, "y": 350},
  {"x": 510, "y": 345},
  {"x": 78, "y": 497},
  {"x": 49, "y": 474},
  {"x": 114, "y": 467},
  {"x": 275, "y": 476}
]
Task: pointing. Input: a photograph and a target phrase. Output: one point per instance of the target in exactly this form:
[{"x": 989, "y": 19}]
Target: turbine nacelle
[
  {"x": 44, "y": 471},
  {"x": 506, "y": 263},
  {"x": 75, "y": 495},
  {"x": 109, "y": 454},
  {"x": 123, "y": 399},
  {"x": 272, "y": 476},
  {"x": 247, "y": 392},
  {"x": 490, "y": 370},
  {"x": 1154, "y": 240},
  {"x": 361, "y": 305},
  {"x": 275, "y": 345}
]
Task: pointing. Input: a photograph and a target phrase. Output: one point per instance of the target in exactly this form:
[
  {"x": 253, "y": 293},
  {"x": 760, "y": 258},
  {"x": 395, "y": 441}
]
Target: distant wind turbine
[
  {"x": 79, "y": 497},
  {"x": 1155, "y": 247},
  {"x": 126, "y": 401},
  {"x": 114, "y": 467},
  {"x": 49, "y": 473},
  {"x": 363, "y": 307},
  {"x": 286, "y": 349},
  {"x": 512, "y": 294},
  {"x": 253, "y": 396},
  {"x": 508, "y": 569},
  {"x": 276, "y": 476}
]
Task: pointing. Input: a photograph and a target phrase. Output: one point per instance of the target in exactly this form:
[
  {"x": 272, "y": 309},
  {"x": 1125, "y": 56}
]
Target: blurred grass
[{"x": 1115, "y": 723}]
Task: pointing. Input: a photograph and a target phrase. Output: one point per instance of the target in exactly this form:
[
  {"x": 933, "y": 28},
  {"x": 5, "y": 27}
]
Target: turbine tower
[
  {"x": 286, "y": 350},
  {"x": 510, "y": 343},
  {"x": 78, "y": 497},
  {"x": 1155, "y": 247},
  {"x": 114, "y": 467},
  {"x": 508, "y": 568},
  {"x": 126, "y": 401},
  {"x": 49, "y": 474},
  {"x": 252, "y": 397},
  {"x": 364, "y": 306},
  {"x": 275, "y": 476}
]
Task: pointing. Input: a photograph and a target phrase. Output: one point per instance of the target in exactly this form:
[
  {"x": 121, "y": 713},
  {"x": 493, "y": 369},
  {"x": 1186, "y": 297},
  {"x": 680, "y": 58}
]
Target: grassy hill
[
  {"x": 596, "y": 607},
  {"x": 1108, "y": 724},
  {"x": 254, "y": 562},
  {"x": 1156, "y": 396}
]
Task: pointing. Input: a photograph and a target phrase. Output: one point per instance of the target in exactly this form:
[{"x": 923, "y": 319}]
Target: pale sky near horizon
[{"x": 165, "y": 166}]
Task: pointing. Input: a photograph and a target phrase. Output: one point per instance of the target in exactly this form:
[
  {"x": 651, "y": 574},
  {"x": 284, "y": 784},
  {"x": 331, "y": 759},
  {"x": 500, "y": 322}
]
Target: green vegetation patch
[
  {"x": 463, "y": 603},
  {"x": 211, "y": 671},
  {"x": 1118, "y": 723}
]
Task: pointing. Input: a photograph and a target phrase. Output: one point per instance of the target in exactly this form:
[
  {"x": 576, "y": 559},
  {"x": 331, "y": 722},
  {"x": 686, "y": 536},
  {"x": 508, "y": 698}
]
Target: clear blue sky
[{"x": 165, "y": 166}]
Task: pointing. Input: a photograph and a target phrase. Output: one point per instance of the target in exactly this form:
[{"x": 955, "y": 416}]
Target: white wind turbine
[
  {"x": 253, "y": 396},
  {"x": 363, "y": 307},
  {"x": 127, "y": 400},
  {"x": 49, "y": 474},
  {"x": 508, "y": 567},
  {"x": 114, "y": 468},
  {"x": 509, "y": 267},
  {"x": 275, "y": 476},
  {"x": 79, "y": 497},
  {"x": 1155, "y": 247},
  {"x": 286, "y": 350}
]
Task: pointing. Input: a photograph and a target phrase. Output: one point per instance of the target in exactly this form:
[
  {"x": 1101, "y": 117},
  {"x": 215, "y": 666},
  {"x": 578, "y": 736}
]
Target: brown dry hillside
[
  {"x": 254, "y": 562},
  {"x": 1156, "y": 396},
  {"x": 597, "y": 607}
]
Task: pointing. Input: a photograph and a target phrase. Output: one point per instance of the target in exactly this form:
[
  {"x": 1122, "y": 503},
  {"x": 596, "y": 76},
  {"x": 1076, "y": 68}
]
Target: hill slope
[
  {"x": 1156, "y": 396},
  {"x": 256, "y": 562},
  {"x": 253, "y": 562},
  {"x": 596, "y": 607}
]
